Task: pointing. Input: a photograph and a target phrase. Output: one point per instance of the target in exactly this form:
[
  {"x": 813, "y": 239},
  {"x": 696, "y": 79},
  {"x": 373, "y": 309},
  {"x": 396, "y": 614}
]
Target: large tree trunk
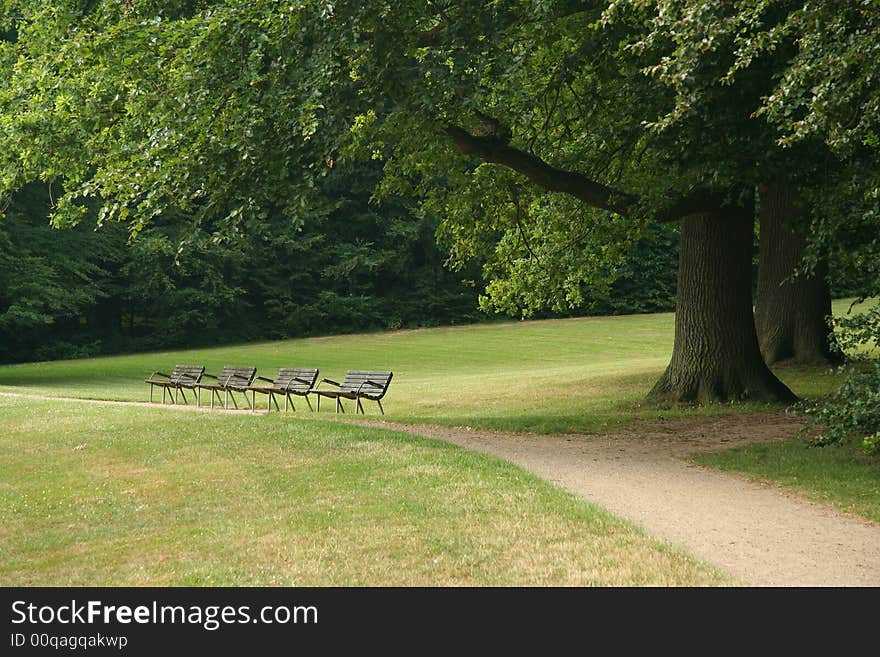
[
  {"x": 790, "y": 316},
  {"x": 716, "y": 356}
]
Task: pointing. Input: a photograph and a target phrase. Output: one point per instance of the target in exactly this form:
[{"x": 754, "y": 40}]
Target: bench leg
[
  {"x": 359, "y": 407},
  {"x": 269, "y": 402},
  {"x": 183, "y": 394},
  {"x": 380, "y": 406},
  {"x": 287, "y": 401},
  {"x": 319, "y": 403},
  {"x": 309, "y": 403},
  {"x": 246, "y": 400}
]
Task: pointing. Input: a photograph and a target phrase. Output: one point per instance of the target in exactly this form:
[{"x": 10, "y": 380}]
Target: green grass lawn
[
  {"x": 103, "y": 495},
  {"x": 96, "y": 494},
  {"x": 839, "y": 475},
  {"x": 544, "y": 376}
]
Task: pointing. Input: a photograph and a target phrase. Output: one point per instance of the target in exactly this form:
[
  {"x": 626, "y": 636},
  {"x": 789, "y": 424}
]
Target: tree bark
[
  {"x": 716, "y": 356},
  {"x": 790, "y": 316}
]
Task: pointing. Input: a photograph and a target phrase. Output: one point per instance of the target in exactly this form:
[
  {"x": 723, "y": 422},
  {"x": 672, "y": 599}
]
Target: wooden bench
[
  {"x": 289, "y": 381},
  {"x": 182, "y": 376},
  {"x": 357, "y": 385},
  {"x": 231, "y": 379}
]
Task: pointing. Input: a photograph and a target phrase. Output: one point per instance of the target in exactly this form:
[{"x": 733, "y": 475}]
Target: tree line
[
  {"x": 80, "y": 291},
  {"x": 83, "y": 291}
]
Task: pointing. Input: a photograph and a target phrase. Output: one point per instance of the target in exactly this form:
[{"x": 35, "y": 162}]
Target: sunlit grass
[
  {"x": 545, "y": 376},
  {"x": 839, "y": 475},
  {"x": 104, "y": 495},
  {"x": 97, "y": 494}
]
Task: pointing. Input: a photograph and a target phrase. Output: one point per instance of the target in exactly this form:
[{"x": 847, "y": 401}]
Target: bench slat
[
  {"x": 287, "y": 378},
  {"x": 186, "y": 374},
  {"x": 236, "y": 377},
  {"x": 356, "y": 380}
]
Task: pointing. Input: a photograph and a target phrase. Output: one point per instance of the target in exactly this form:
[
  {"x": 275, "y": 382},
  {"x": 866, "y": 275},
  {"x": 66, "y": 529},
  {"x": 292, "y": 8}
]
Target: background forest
[{"x": 355, "y": 265}]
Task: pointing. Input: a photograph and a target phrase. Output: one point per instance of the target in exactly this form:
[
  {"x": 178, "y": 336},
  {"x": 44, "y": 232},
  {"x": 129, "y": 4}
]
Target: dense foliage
[
  {"x": 227, "y": 111},
  {"x": 852, "y": 411},
  {"x": 81, "y": 291},
  {"x": 812, "y": 70},
  {"x": 52, "y": 283}
]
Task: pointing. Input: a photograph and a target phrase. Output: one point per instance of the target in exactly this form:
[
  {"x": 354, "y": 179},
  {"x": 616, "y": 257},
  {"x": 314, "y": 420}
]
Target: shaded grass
[
  {"x": 102, "y": 495},
  {"x": 840, "y": 475},
  {"x": 584, "y": 374}
]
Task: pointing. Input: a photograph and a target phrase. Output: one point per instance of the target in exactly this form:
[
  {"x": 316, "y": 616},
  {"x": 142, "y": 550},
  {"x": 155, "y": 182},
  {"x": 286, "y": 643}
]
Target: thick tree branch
[
  {"x": 498, "y": 151},
  {"x": 495, "y": 150}
]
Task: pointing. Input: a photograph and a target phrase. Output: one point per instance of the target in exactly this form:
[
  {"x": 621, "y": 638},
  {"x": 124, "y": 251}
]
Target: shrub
[{"x": 853, "y": 410}]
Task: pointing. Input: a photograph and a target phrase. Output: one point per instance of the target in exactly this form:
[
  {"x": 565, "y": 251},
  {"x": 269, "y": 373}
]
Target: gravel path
[{"x": 757, "y": 533}]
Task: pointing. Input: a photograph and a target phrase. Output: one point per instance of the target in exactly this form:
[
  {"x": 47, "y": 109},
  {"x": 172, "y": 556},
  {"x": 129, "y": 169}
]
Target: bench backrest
[
  {"x": 186, "y": 374},
  {"x": 296, "y": 379},
  {"x": 355, "y": 381},
  {"x": 236, "y": 377}
]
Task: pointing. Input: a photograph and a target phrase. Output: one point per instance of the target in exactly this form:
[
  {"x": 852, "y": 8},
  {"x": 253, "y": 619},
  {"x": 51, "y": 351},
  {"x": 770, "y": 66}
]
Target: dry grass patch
[{"x": 172, "y": 498}]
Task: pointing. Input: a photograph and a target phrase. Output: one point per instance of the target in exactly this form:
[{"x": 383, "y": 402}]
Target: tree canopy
[
  {"x": 231, "y": 109},
  {"x": 546, "y": 136}
]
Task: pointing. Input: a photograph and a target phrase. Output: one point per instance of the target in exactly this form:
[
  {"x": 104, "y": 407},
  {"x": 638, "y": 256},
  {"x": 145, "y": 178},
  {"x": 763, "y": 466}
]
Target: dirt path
[{"x": 756, "y": 533}]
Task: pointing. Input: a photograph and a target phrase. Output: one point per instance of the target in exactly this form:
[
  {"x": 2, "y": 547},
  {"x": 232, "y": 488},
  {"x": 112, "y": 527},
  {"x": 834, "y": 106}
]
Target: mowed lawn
[
  {"x": 117, "y": 495},
  {"x": 842, "y": 476},
  {"x": 545, "y": 376},
  {"x": 104, "y": 494}
]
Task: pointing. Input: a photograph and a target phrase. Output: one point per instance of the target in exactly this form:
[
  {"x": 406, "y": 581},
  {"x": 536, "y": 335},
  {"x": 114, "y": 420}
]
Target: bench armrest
[
  {"x": 296, "y": 379},
  {"x": 372, "y": 383},
  {"x": 331, "y": 382},
  {"x": 263, "y": 378},
  {"x": 167, "y": 376},
  {"x": 210, "y": 376}
]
